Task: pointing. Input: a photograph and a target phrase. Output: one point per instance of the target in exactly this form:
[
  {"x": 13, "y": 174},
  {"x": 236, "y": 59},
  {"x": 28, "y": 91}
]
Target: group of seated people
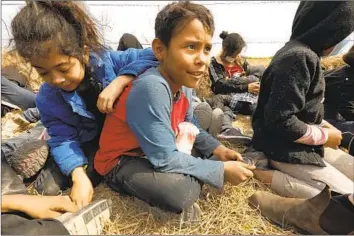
[{"x": 131, "y": 118}]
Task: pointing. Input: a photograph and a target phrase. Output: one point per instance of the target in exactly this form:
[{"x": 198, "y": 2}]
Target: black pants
[
  {"x": 50, "y": 180},
  {"x": 21, "y": 224},
  {"x": 136, "y": 177}
]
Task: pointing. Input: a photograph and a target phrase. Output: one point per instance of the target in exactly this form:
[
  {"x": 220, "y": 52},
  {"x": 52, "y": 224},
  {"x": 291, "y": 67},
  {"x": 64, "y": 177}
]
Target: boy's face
[{"x": 186, "y": 59}]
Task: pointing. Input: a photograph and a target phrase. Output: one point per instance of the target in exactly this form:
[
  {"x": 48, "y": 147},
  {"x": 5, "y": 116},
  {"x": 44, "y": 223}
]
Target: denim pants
[
  {"x": 135, "y": 176},
  {"x": 17, "y": 95}
]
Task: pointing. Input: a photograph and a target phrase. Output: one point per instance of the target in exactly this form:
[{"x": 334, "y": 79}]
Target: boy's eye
[{"x": 207, "y": 49}]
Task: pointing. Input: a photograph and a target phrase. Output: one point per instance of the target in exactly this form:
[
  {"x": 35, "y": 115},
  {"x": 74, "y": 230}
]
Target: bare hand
[
  {"x": 44, "y": 207},
  {"x": 111, "y": 93},
  {"x": 254, "y": 87},
  {"x": 237, "y": 172},
  {"x": 227, "y": 154},
  {"x": 334, "y": 138},
  {"x": 82, "y": 190}
]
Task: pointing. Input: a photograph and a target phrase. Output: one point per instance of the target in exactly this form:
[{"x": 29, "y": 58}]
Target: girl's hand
[
  {"x": 82, "y": 190},
  {"x": 111, "y": 93}
]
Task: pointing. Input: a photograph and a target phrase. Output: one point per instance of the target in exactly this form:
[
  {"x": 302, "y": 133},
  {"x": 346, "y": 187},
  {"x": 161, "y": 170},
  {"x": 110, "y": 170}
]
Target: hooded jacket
[{"x": 292, "y": 87}]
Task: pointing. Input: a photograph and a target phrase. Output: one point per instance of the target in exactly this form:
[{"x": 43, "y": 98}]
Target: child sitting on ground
[{"x": 138, "y": 153}]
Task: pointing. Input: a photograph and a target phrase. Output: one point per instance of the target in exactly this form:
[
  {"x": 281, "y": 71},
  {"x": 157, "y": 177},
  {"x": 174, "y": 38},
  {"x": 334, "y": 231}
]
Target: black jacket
[
  {"x": 292, "y": 87},
  {"x": 339, "y": 95}
]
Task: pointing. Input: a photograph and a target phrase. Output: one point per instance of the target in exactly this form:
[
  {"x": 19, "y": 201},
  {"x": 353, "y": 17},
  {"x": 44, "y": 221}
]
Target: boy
[{"x": 138, "y": 154}]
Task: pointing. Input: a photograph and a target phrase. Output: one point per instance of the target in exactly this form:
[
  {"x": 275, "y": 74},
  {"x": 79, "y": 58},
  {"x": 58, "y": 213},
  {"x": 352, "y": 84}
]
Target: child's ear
[
  {"x": 159, "y": 49},
  {"x": 86, "y": 54}
]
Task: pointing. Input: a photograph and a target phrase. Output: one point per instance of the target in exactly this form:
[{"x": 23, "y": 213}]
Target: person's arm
[
  {"x": 150, "y": 98},
  {"x": 126, "y": 65},
  {"x": 37, "y": 206},
  {"x": 221, "y": 85},
  {"x": 65, "y": 147},
  {"x": 133, "y": 61},
  {"x": 288, "y": 97}
]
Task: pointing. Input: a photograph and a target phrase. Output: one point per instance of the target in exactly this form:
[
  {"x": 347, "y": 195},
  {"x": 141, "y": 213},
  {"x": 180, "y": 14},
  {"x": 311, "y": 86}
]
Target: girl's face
[{"x": 59, "y": 70}]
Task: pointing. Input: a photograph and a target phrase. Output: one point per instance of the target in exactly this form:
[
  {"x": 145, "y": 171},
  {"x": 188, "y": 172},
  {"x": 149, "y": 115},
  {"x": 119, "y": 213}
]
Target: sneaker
[
  {"x": 89, "y": 220},
  {"x": 235, "y": 136},
  {"x": 190, "y": 215}
]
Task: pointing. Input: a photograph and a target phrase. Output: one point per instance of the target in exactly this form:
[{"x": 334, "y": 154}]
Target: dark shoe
[
  {"x": 235, "y": 136},
  {"x": 11, "y": 183},
  {"x": 318, "y": 215}
]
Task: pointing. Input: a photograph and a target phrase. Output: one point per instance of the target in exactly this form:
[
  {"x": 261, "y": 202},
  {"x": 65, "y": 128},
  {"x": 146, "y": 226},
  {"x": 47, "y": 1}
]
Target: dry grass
[{"x": 225, "y": 212}]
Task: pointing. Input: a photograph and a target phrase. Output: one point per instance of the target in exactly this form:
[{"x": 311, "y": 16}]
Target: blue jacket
[{"x": 64, "y": 113}]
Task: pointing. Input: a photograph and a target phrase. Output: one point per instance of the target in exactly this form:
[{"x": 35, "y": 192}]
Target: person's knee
[{"x": 187, "y": 191}]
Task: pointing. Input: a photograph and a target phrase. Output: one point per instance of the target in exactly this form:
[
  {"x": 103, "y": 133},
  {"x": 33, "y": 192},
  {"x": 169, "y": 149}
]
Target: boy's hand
[
  {"x": 82, "y": 190},
  {"x": 254, "y": 87},
  {"x": 226, "y": 154},
  {"x": 110, "y": 94},
  {"x": 44, "y": 207},
  {"x": 237, "y": 172},
  {"x": 334, "y": 138}
]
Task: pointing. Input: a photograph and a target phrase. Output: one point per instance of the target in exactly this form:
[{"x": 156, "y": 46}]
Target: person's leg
[
  {"x": 21, "y": 224},
  {"x": 32, "y": 115},
  {"x": 203, "y": 113},
  {"x": 255, "y": 71},
  {"x": 13, "y": 93},
  {"x": 316, "y": 176},
  {"x": 341, "y": 161},
  {"x": 11, "y": 183},
  {"x": 169, "y": 191},
  {"x": 50, "y": 180},
  {"x": 217, "y": 119},
  {"x": 229, "y": 133}
]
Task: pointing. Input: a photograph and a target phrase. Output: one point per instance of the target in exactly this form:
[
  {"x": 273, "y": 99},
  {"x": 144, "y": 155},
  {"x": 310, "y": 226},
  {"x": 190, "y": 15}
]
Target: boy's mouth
[{"x": 197, "y": 74}]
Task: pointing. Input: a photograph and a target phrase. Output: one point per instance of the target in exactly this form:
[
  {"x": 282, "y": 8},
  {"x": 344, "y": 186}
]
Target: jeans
[
  {"x": 17, "y": 223},
  {"x": 136, "y": 176},
  {"x": 51, "y": 181},
  {"x": 17, "y": 95}
]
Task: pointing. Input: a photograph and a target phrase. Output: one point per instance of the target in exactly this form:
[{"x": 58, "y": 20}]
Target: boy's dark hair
[
  {"x": 64, "y": 23},
  {"x": 176, "y": 15},
  {"x": 232, "y": 43}
]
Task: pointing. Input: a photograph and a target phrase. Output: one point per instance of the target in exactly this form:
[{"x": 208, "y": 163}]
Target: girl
[
  {"x": 288, "y": 122},
  {"x": 230, "y": 74},
  {"x": 61, "y": 42}
]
